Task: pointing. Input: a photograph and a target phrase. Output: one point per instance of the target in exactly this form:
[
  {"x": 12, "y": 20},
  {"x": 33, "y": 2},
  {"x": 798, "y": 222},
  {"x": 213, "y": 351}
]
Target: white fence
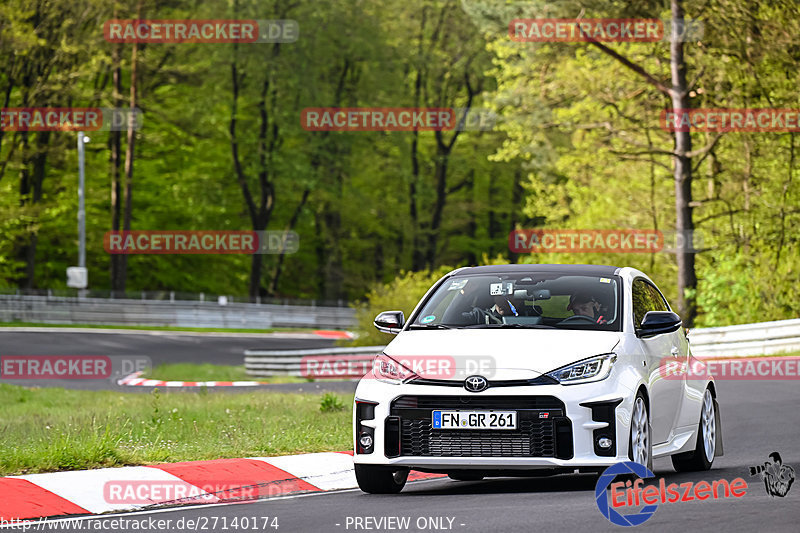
[{"x": 764, "y": 338}]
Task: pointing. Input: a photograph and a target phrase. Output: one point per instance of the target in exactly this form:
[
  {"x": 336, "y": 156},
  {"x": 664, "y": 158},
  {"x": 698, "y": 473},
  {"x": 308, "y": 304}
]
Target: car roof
[{"x": 586, "y": 270}]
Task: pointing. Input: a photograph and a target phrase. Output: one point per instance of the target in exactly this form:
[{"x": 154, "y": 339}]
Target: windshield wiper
[
  {"x": 429, "y": 326},
  {"x": 508, "y": 326}
]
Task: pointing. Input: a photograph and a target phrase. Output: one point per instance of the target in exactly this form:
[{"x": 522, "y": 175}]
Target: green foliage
[
  {"x": 739, "y": 289},
  {"x": 578, "y": 146},
  {"x": 596, "y": 156},
  {"x": 331, "y": 403}
]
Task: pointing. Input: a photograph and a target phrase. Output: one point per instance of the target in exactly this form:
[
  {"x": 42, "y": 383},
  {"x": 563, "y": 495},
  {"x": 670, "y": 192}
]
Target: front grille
[
  {"x": 534, "y": 436},
  {"x": 531, "y": 439}
]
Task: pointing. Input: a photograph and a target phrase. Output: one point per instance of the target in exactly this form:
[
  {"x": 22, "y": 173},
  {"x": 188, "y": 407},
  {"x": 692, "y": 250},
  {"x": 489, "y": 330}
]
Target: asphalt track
[
  {"x": 758, "y": 418},
  {"x": 160, "y": 347}
]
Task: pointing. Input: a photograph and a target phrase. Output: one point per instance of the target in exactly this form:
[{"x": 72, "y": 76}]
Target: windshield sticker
[
  {"x": 498, "y": 289},
  {"x": 457, "y": 284},
  {"x": 605, "y": 280},
  {"x": 429, "y": 318}
]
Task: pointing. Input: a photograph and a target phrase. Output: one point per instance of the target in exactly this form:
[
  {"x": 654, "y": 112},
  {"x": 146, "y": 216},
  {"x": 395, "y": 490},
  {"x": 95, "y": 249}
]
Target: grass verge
[
  {"x": 211, "y": 372},
  {"x": 51, "y": 429}
]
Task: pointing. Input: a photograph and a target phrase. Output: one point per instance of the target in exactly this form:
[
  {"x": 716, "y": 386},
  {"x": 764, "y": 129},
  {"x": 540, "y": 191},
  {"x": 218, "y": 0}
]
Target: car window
[
  {"x": 645, "y": 298},
  {"x": 659, "y": 304},
  {"x": 641, "y": 301},
  {"x": 524, "y": 299}
]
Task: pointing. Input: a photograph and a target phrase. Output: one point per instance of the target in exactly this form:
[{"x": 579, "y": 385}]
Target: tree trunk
[
  {"x": 687, "y": 278},
  {"x": 268, "y": 136},
  {"x": 129, "y": 155},
  {"x": 273, "y": 289},
  {"x": 115, "y": 139},
  {"x": 517, "y": 199},
  {"x": 417, "y": 257},
  {"x": 440, "y": 173}
]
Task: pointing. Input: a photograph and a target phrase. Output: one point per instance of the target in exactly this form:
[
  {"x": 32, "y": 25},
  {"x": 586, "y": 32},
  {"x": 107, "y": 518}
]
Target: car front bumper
[{"x": 591, "y": 410}]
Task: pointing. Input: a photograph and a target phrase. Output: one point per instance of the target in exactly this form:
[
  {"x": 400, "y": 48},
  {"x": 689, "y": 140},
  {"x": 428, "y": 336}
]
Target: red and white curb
[
  {"x": 334, "y": 334},
  {"x": 106, "y": 490}
]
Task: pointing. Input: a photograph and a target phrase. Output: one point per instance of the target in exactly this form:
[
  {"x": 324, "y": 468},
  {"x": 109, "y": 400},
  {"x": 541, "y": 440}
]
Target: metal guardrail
[
  {"x": 341, "y": 361},
  {"x": 763, "y": 338},
  {"x": 176, "y": 313}
]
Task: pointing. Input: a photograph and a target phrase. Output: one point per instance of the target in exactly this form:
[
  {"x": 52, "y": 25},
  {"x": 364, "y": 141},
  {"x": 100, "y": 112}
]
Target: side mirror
[
  {"x": 390, "y": 322},
  {"x": 658, "y": 322}
]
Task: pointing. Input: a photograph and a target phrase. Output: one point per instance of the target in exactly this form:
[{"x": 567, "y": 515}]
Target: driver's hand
[{"x": 493, "y": 317}]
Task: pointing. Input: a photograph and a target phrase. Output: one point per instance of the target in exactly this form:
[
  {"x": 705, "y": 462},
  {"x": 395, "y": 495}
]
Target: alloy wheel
[
  {"x": 640, "y": 433},
  {"x": 708, "y": 424}
]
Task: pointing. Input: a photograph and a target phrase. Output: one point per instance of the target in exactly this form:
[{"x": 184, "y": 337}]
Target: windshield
[{"x": 523, "y": 300}]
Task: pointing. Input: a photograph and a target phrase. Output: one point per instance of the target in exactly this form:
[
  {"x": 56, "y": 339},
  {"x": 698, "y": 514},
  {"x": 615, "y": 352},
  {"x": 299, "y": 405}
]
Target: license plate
[{"x": 474, "y": 420}]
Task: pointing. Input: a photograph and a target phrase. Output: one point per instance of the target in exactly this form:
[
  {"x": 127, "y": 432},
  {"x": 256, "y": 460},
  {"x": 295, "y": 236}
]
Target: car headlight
[
  {"x": 593, "y": 369},
  {"x": 388, "y": 370}
]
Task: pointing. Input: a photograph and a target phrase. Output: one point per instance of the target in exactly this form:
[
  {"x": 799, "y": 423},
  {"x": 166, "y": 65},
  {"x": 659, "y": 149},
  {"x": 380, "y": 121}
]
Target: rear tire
[
  {"x": 376, "y": 479},
  {"x": 698, "y": 460}
]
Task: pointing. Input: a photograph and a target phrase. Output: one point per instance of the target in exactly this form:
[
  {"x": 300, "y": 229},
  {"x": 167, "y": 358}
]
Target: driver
[
  {"x": 586, "y": 304},
  {"x": 503, "y": 306}
]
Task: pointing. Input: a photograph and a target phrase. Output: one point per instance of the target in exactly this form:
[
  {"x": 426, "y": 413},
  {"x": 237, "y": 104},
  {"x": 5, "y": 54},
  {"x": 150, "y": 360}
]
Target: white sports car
[{"x": 532, "y": 370}]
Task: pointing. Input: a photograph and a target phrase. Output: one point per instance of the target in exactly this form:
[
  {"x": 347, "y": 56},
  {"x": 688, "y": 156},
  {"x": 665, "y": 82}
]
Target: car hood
[{"x": 496, "y": 354}]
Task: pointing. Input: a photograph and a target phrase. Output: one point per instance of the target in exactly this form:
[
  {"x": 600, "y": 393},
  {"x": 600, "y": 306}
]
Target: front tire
[
  {"x": 376, "y": 479},
  {"x": 640, "y": 445},
  {"x": 702, "y": 457}
]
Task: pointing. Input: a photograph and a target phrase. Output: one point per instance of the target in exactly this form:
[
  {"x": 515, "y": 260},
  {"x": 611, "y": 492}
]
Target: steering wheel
[
  {"x": 575, "y": 318},
  {"x": 481, "y": 314}
]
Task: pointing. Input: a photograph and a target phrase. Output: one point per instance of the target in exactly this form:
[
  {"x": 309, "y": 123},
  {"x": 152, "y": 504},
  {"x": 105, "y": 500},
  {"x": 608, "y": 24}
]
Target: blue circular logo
[
  {"x": 601, "y": 495},
  {"x": 427, "y": 319}
]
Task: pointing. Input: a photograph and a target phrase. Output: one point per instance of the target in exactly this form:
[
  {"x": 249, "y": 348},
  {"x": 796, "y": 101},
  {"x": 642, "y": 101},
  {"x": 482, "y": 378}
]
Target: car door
[{"x": 665, "y": 394}]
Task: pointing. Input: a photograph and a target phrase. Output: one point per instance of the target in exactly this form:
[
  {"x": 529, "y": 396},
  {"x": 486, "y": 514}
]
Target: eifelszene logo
[
  {"x": 633, "y": 494},
  {"x": 778, "y": 477}
]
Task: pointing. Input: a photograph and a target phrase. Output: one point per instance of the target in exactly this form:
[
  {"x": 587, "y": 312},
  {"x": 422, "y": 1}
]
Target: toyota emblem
[{"x": 476, "y": 383}]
